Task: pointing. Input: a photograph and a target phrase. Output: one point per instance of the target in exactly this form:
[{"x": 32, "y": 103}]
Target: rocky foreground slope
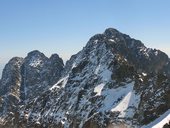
[{"x": 114, "y": 81}]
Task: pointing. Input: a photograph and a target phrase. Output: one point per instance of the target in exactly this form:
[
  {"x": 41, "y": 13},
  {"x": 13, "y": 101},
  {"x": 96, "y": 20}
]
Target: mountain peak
[
  {"x": 15, "y": 59},
  {"x": 109, "y": 32},
  {"x": 35, "y": 53},
  {"x": 55, "y": 57}
]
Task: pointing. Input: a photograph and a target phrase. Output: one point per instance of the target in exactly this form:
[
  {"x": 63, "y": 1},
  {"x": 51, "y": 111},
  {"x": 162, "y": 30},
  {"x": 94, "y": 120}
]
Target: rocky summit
[{"x": 115, "y": 81}]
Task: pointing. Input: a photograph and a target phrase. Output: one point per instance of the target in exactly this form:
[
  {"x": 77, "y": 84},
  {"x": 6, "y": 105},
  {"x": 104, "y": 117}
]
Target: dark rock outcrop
[{"x": 39, "y": 73}]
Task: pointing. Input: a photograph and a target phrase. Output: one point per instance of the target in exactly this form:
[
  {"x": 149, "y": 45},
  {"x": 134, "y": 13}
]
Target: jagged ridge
[{"x": 114, "y": 81}]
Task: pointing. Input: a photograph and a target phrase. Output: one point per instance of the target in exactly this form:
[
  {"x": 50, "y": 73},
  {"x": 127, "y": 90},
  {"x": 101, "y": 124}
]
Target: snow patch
[
  {"x": 122, "y": 99},
  {"x": 98, "y": 89},
  {"x": 123, "y": 105},
  {"x": 74, "y": 65},
  {"x": 111, "y": 40},
  {"x": 156, "y": 53},
  {"x": 62, "y": 81},
  {"x": 104, "y": 72},
  {"x": 35, "y": 62},
  {"x": 95, "y": 41},
  {"x": 97, "y": 70},
  {"x": 144, "y": 74},
  {"x": 159, "y": 122}
]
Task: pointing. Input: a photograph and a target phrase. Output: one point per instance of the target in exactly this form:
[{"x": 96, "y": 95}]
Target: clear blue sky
[{"x": 64, "y": 26}]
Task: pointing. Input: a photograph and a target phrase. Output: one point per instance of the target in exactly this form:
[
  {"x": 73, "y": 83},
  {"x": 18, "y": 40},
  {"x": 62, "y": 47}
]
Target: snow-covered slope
[
  {"x": 114, "y": 81},
  {"x": 160, "y": 122}
]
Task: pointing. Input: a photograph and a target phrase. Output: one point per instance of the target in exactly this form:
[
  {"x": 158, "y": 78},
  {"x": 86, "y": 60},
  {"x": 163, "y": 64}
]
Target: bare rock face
[
  {"x": 11, "y": 78},
  {"x": 38, "y": 73},
  {"x": 114, "y": 81},
  {"x": 10, "y": 86}
]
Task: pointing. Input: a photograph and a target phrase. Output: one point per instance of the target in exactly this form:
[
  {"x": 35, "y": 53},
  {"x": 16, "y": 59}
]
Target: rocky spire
[{"x": 11, "y": 76}]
